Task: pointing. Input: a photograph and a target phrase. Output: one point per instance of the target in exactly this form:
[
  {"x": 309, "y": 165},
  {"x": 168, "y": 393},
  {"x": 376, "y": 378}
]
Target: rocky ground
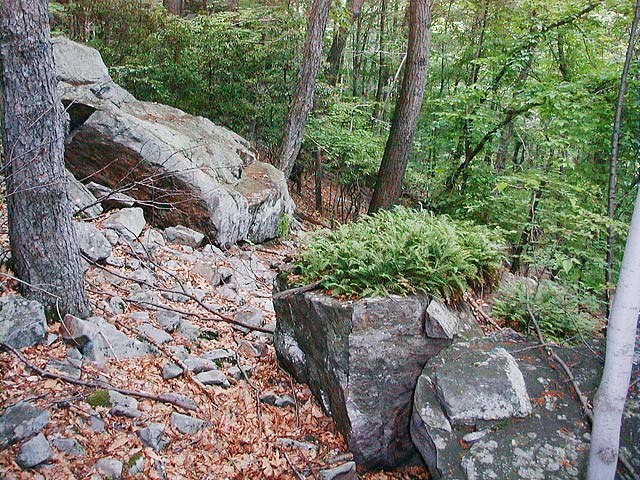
[{"x": 167, "y": 383}]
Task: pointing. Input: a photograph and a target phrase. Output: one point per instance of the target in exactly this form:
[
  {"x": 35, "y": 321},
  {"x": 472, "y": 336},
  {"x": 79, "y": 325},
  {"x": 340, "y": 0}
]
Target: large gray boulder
[
  {"x": 362, "y": 360},
  {"x": 186, "y": 170},
  {"x": 21, "y": 421},
  {"x": 495, "y": 407},
  {"x": 22, "y": 321}
]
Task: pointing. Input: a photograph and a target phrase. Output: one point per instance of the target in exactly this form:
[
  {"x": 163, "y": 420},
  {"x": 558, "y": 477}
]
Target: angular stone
[
  {"x": 92, "y": 242},
  {"x": 21, "y": 421},
  {"x": 110, "y": 468},
  {"x": 117, "y": 305},
  {"x": 128, "y": 222},
  {"x": 34, "y": 452},
  {"x": 213, "y": 377},
  {"x": 188, "y": 330},
  {"x": 155, "y": 334},
  {"x": 346, "y": 471},
  {"x": 219, "y": 355},
  {"x": 186, "y": 424},
  {"x": 22, "y": 321},
  {"x": 250, "y": 316},
  {"x": 153, "y": 437},
  {"x": 440, "y": 322},
  {"x": 70, "y": 446},
  {"x": 183, "y": 399},
  {"x": 123, "y": 405},
  {"x": 171, "y": 370},
  {"x": 279, "y": 401},
  {"x": 146, "y": 299},
  {"x": 183, "y": 236},
  {"x": 235, "y": 372},
  {"x": 252, "y": 349},
  {"x": 68, "y": 367},
  {"x": 84, "y": 203},
  {"x": 168, "y": 320},
  {"x": 210, "y": 271}
]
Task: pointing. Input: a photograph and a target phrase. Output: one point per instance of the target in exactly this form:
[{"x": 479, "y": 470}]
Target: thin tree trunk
[
  {"x": 621, "y": 333},
  {"x": 318, "y": 180},
  {"x": 613, "y": 168},
  {"x": 382, "y": 67},
  {"x": 357, "y": 58},
  {"x": 41, "y": 232},
  {"x": 174, "y": 6},
  {"x": 334, "y": 58},
  {"x": 405, "y": 118},
  {"x": 303, "y": 99}
]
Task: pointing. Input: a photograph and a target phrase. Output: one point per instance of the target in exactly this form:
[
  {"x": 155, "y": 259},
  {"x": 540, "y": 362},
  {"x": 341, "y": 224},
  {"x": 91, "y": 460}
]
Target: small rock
[
  {"x": 146, "y": 299},
  {"x": 74, "y": 354},
  {"x": 209, "y": 271},
  {"x": 117, "y": 305},
  {"x": 186, "y": 424},
  {"x": 22, "y": 321},
  {"x": 155, "y": 334},
  {"x": 153, "y": 436},
  {"x": 141, "y": 316},
  {"x": 188, "y": 330},
  {"x": 236, "y": 373},
  {"x": 132, "y": 263},
  {"x": 271, "y": 398},
  {"x": 213, "y": 377},
  {"x": 473, "y": 437},
  {"x": 252, "y": 349},
  {"x": 145, "y": 277},
  {"x": 114, "y": 261},
  {"x": 213, "y": 251},
  {"x": 21, "y": 421},
  {"x": 183, "y": 236},
  {"x": 152, "y": 239},
  {"x": 346, "y": 471},
  {"x": 69, "y": 367},
  {"x": 198, "y": 365},
  {"x": 188, "y": 403},
  {"x": 219, "y": 355},
  {"x": 34, "y": 452},
  {"x": 84, "y": 203},
  {"x": 136, "y": 464},
  {"x": 70, "y": 446},
  {"x": 109, "y": 468},
  {"x": 123, "y": 405},
  {"x": 92, "y": 242},
  {"x": 169, "y": 320},
  {"x": 250, "y": 316},
  {"x": 128, "y": 222},
  {"x": 113, "y": 237},
  {"x": 229, "y": 293},
  {"x": 171, "y": 370}
]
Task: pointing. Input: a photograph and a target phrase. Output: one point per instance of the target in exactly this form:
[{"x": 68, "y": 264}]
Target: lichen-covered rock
[
  {"x": 198, "y": 174},
  {"x": 22, "y": 321},
  {"x": 362, "y": 360},
  {"x": 21, "y": 421}
]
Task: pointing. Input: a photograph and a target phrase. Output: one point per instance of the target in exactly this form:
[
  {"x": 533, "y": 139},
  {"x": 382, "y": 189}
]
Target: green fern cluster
[{"x": 403, "y": 252}]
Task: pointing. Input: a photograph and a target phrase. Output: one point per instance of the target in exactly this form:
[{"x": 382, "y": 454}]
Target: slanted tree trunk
[
  {"x": 621, "y": 332},
  {"x": 41, "y": 233},
  {"x": 334, "y": 58},
  {"x": 303, "y": 99},
  {"x": 612, "y": 202},
  {"x": 405, "y": 118}
]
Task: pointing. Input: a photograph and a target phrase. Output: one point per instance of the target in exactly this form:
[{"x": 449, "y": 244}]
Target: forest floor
[{"x": 243, "y": 438}]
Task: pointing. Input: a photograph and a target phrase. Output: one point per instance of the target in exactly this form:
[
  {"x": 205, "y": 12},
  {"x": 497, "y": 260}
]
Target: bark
[
  {"x": 41, "y": 233},
  {"x": 303, "y": 99},
  {"x": 405, "y": 118},
  {"x": 383, "y": 67},
  {"x": 613, "y": 166},
  {"x": 621, "y": 332},
  {"x": 334, "y": 59},
  {"x": 174, "y": 6},
  {"x": 318, "y": 181}
]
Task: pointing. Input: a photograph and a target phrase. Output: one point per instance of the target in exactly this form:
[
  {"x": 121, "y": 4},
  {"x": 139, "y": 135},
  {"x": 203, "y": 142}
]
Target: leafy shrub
[
  {"x": 402, "y": 252},
  {"x": 561, "y": 314}
]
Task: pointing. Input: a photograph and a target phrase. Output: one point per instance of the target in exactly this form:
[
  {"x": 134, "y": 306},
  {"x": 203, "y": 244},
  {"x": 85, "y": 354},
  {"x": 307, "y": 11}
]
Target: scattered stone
[
  {"x": 168, "y": 320},
  {"x": 68, "y": 367},
  {"x": 146, "y": 299},
  {"x": 85, "y": 204},
  {"x": 128, "y": 222},
  {"x": 250, "y": 316},
  {"x": 50, "y": 339},
  {"x": 198, "y": 364},
  {"x": 229, "y": 293},
  {"x": 187, "y": 424},
  {"x": 219, "y": 355},
  {"x": 440, "y": 322},
  {"x": 279, "y": 401},
  {"x": 117, "y": 305},
  {"x": 123, "y": 405},
  {"x": 132, "y": 263},
  {"x": 110, "y": 468},
  {"x": 21, "y": 421},
  {"x": 183, "y": 236},
  {"x": 22, "y": 321},
  {"x": 155, "y": 334},
  {"x": 145, "y": 277},
  {"x": 291, "y": 443},
  {"x": 252, "y": 349},
  {"x": 112, "y": 237},
  {"x": 74, "y": 354},
  {"x": 153, "y": 437},
  {"x": 213, "y": 377},
  {"x": 186, "y": 401},
  {"x": 208, "y": 270},
  {"x": 236, "y": 373},
  {"x": 92, "y": 242},
  {"x": 70, "y": 446},
  {"x": 171, "y": 370},
  {"x": 34, "y": 452},
  {"x": 114, "y": 261},
  {"x": 213, "y": 251},
  {"x": 110, "y": 199},
  {"x": 474, "y": 437},
  {"x": 346, "y": 471},
  {"x": 188, "y": 330},
  {"x": 152, "y": 239},
  {"x": 136, "y": 464}
]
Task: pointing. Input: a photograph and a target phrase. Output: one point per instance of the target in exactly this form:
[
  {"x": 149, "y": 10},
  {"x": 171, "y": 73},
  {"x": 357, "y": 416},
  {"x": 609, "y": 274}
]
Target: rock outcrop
[
  {"x": 184, "y": 170},
  {"x": 362, "y": 360}
]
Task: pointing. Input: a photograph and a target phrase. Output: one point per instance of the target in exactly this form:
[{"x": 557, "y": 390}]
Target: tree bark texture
[
  {"x": 405, "y": 118},
  {"x": 621, "y": 332},
  {"x": 303, "y": 100},
  {"x": 613, "y": 166},
  {"x": 174, "y": 6},
  {"x": 334, "y": 58},
  {"x": 42, "y": 236}
]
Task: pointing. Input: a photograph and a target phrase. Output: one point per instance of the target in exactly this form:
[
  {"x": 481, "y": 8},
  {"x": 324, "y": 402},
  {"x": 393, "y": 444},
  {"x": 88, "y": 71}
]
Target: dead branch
[{"x": 293, "y": 291}]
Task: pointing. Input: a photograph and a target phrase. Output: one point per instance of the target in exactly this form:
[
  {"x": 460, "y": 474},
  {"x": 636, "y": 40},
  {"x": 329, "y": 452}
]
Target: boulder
[
  {"x": 21, "y": 421},
  {"x": 186, "y": 170},
  {"x": 92, "y": 242},
  {"x": 128, "y": 222},
  {"x": 84, "y": 202},
  {"x": 183, "y": 236},
  {"x": 22, "y": 321},
  {"x": 34, "y": 452},
  {"x": 494, "y": 407},
  {"x": 362, "y": 360}
]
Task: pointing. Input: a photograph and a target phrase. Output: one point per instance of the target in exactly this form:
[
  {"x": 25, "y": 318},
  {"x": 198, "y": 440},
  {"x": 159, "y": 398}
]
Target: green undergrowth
[
  {"x": 561, "y": 314},
  {"x": 402, "y": 252}
]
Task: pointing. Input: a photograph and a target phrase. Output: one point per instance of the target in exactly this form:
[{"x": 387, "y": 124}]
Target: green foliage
[
  {"x": 563, "y": 316},
  {"x": 402, "y": 252},
  {"x": 99, "y": 398},
  {"x": 284, "y": 229}
]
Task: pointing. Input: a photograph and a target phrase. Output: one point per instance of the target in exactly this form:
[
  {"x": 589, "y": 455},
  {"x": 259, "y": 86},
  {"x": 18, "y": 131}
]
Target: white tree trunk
[{"x": 621, "y": 332}]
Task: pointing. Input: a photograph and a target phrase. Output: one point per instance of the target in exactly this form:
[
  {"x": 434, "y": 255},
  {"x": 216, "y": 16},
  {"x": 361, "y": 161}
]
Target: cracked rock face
[{"x": 362, "y": 360}]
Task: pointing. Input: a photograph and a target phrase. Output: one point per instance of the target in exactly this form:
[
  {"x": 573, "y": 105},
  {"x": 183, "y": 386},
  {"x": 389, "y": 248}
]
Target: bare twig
[
  {"x": 293, "y": 291},
  {"x": 297, "y": 473}
]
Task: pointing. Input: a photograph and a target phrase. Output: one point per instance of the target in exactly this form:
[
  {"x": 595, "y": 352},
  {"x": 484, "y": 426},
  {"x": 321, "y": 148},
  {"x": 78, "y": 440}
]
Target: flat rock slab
[
  {"x": 187, "y": 424},
  {"x": 34, "y": 452},
  {"x": 551, "y": 442},
  {"x": 21, "y": 421},
  {"x": 22, "y": 321}
]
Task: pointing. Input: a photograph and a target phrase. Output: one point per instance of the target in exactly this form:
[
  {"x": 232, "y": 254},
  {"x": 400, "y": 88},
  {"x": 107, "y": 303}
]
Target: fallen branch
[
  {"x": 477, "y": 310},
  {"x": 164, "y": 398},
  {"x": 293, "y": 291},
  {"x": 310, "y": 219},
  {"x": 297, "y": 473}
]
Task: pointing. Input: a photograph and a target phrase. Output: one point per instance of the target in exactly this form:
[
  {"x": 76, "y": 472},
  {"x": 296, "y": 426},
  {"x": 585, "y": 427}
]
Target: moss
[
  {"x": 99, "y": 398},
  {"x": 134, "y": 459}
]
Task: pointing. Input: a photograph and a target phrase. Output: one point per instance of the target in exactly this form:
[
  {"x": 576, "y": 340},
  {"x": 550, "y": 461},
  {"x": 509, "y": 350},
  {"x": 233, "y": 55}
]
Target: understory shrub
[
  {"x": 403, "y": 252},
  {"x": 563, "y": 315}
]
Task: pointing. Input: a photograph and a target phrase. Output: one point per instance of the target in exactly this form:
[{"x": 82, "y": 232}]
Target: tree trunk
[
  {"x": 621, "y": 333},
  {"x": 613, "y": 168},
  {"x": 174, "y": 6},
  {"x": 334, "y": 59},
  {"x": 405, "y": 118},
  {"x": 383, "y": 68},
  {"x": 303, "y": 99},
  {"x": 41, "y": 233}
]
